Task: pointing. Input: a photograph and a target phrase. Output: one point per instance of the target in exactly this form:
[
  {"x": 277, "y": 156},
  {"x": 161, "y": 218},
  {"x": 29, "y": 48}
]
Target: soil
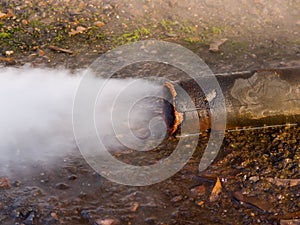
[{"x": 258, "y": 169}]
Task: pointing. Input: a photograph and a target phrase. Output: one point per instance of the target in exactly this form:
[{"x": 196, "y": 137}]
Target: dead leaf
[
  {"x": 216, "y": 191},
  {"x": 2, "y": 15},
  {"x": 9, "y": 61},
  {"x": 284, "y": 182},
  {"x": 4, "y": 183},
  {"x": 40, "y": 52},
  {"x": 256, "y": 202},
  {"x": 99, "y": 24},
  {"x": 215, "y": 45},
  {"x": 10, "y": 13},
  {"x": 79, "y": 30},
  {"x": 135, "y": 206}
]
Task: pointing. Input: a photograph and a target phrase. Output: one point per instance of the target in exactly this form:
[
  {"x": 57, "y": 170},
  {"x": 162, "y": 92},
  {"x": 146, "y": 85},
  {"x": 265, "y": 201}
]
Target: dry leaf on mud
[
  {"x": 4, "y": 183},
  {"x": 79, "y": 30},
  {"x": 216, "y": 191}
]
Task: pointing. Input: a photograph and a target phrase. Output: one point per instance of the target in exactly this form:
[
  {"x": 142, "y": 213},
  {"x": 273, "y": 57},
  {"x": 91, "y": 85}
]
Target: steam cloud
[{"x": 36, "y": 114}]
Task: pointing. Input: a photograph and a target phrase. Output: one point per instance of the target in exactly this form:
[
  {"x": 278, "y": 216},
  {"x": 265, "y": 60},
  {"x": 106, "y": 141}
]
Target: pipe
[{"x": 267, "y": 97}]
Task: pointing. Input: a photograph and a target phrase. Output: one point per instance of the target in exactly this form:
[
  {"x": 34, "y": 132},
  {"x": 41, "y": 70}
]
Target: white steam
[{"x": 36, "y": 113}]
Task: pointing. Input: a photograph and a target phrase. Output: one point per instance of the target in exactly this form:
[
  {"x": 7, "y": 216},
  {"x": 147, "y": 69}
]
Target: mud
[{"x": 260, "y": 34}]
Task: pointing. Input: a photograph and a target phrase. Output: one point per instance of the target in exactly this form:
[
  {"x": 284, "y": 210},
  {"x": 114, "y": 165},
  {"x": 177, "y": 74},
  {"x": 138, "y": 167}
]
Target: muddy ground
[{"x": 72, "y": 34}]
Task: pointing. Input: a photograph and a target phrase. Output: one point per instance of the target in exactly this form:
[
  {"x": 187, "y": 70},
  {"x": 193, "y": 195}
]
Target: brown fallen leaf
[
  {"x": 55, "y": 48},
  {"x": 2, "y": 15},
  {"x": 79, "y": 30},
  {"x": 284, "y": 182},
  {"x": 40, "y": 52},
  {"x": 10, "y": 13},
  {"x": 215, "y": 45},
  {"x": 9, "y": 61},
  {"x": 253, "y": 201},
  {"x": 4, "y": 183},
  {"x": 135, "y": 206},
  {"x": 216, "y": 191}
]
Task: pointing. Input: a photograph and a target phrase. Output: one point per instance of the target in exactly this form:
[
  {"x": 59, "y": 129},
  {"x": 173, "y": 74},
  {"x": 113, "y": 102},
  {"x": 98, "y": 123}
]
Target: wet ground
[{"x": 258, "y": 169}]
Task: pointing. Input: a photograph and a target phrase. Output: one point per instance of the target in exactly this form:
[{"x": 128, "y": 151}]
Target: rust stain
[{"x": 178, "y": 116}]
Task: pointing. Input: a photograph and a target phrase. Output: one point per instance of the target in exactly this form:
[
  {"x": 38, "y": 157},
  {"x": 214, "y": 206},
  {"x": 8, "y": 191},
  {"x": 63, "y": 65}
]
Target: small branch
[{"x": 55, "y": 48}]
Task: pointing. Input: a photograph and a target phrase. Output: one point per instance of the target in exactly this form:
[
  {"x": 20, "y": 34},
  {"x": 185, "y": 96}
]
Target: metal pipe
[{"x": 253, "y": 99}]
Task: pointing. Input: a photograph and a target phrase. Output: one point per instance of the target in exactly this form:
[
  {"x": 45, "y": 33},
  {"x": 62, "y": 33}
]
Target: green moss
[
  {"x": 217, "y": 30},
  {"x": 36, "y": 24},
  {"x": 100, "y": 36},
  {"x": 133, "y": 36},
  {"x": 4, "y": 35}
]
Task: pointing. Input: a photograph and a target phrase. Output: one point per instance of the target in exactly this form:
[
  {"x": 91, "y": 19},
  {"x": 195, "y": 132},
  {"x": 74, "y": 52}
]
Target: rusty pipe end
[{"x": 172, "y": 117}]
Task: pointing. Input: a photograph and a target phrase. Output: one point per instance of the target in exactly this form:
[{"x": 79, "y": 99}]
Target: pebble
[
  {"x": 106, "y": 222},
  {"x": 177, "y": 198},
  {"x": 62, "y": 186},
  {"x": 9, "y": 53},
  {"x": 199, "y": 190},
  {"x": 54, "y": 215},
  {"x": 99, "y": 24},
  {"x": 72, "y": 177},
  {"x": 107, "y": 7}
]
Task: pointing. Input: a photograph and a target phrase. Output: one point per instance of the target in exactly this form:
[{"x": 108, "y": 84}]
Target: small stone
[
  {"x": 72, "y": 177},
  {"x": 24, "y": 22},
  {"x": 62, "y": 186},
  {"x": 107, "y": 7},
  {"x": 200, "y": 203},
  {"x": 215, "y": 45},
  {"x": 99, "y": 24},
  {"x": 177, "y": 198},
  {"x": 106, "y": 222},
  {"x": 30, "y": 220},
  {"x": 9, "y": 53},
  {"x": 298, "y": 22},
  {"x": 54, "y": 215},
  {"x": 5, "y": 183},
  {"x": 199, "y": 190},
  {"x": 254, "y": 179}
]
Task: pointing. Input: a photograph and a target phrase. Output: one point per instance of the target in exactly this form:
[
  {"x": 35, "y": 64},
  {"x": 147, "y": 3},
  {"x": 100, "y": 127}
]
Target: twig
[{"x": 55, "y": 48}]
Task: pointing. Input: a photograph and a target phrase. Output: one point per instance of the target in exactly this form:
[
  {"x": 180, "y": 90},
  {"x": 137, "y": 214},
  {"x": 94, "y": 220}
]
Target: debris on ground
[
  {"x": 215, "y": 45},
  {"x": 216, "y": 191},
  {"x": 5, "y": 183}
]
